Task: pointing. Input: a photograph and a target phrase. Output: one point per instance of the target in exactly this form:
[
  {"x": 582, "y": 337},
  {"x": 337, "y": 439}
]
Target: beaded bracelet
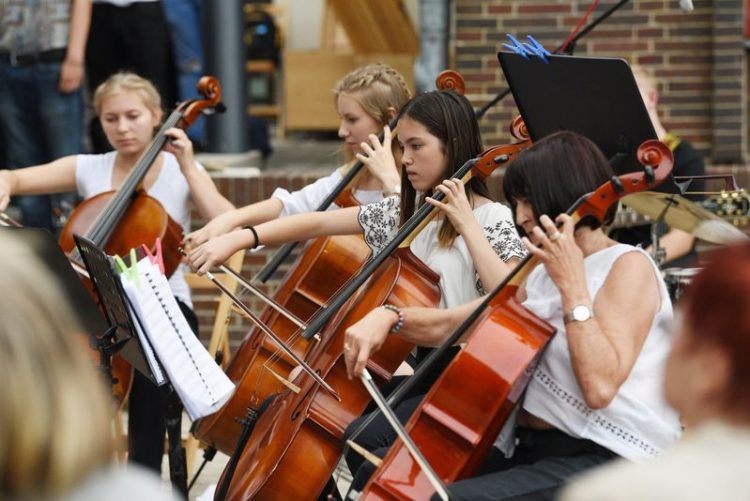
[
  {"x": 255, "y": 236},
  {"x": 400, "y": 323}
]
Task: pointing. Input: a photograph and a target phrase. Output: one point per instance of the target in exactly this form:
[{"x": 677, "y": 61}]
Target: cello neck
[{"x": 104, "y": 225}]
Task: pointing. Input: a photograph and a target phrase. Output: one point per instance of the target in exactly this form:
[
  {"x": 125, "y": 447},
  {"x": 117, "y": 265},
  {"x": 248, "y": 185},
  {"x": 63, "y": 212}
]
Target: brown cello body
[
  {"x": 144, "y": 221},
  {"x": 324, "y": 266},
  {"x": 298, "y": 439},
  {"x": 459, "y": 418}
]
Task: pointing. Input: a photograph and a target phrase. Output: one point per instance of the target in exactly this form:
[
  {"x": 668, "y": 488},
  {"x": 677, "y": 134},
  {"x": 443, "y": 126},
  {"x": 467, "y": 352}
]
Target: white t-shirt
[
  {"x": 94, "y": 176},
  {"x": 459, "y": 283},
  {"x": 638, "y": 424},
  {"x": 709, "y": 463},
  {"x": 122, "y": 3},
  {"x": 309, "y": 198},
  {"x": 117, "y": 483}
]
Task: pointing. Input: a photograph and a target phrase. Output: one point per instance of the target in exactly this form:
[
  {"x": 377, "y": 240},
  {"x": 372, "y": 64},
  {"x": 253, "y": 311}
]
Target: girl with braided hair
[{"x": 366, "y": 99}]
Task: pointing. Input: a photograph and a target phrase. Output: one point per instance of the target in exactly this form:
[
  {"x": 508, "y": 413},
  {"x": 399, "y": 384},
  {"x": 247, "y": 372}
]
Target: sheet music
[
  {"x": 201, "y": 385},
  {"x": 148, "y": 350}
]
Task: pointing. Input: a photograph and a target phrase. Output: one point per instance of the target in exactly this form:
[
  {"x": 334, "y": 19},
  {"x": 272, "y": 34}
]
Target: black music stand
[
  {"x": 114, "y": 303},
  {"x": 41, "y": 244},
  {"x": 594, "y": 96},
  {"x": 112, "y": 298}
]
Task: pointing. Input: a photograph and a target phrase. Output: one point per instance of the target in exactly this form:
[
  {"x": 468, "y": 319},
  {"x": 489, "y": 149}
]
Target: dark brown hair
[
  {"x": 449, "y": 117},
  {"x": 555, "y": 172}
]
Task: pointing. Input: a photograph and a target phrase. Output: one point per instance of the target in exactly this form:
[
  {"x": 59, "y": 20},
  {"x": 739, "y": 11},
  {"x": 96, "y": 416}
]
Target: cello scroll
[{"x": 208, "y": 87}]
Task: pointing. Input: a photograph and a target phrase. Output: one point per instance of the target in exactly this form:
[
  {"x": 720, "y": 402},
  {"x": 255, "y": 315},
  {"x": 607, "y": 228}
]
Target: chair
[{"x": 219, "y": 338}]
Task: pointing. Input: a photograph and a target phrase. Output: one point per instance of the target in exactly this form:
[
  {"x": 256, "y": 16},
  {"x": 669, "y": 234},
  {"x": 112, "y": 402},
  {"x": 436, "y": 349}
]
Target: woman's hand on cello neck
[
  {"x": 379, "y": 160},
  {"x": 455, "y": 204},
  {"x": 179, "y": 145},
  {"x": 557, "y": 249}
]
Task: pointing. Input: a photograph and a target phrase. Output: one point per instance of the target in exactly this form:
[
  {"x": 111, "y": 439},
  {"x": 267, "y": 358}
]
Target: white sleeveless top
[
  {"x": 459, "y": 282},
  {"x": 309, "y": 198},
  {"x": 638, "y": 424},
  {"x": 94, "y": 176}
]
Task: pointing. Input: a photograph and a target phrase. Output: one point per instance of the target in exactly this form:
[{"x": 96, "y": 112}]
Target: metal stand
[
  {"x": 658, "y": 253},
  {"x": 176, "y": 452},
  {"x": 107, "y": 345}
]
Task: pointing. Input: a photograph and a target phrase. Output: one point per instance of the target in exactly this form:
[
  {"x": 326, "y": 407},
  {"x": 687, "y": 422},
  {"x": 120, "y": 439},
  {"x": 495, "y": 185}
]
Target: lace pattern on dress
[
  {"x": 580, "y": 407},
  {"x": 503, "y": 238},
  {"x": 379, "y": 222}
]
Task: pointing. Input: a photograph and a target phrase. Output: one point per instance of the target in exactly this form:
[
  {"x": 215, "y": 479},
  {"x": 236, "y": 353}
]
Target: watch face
[{"x": 581, "y": 313}]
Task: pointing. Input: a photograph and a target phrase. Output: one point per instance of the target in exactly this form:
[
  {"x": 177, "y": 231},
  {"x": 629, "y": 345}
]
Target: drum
[{"x": 678, "y": 279}]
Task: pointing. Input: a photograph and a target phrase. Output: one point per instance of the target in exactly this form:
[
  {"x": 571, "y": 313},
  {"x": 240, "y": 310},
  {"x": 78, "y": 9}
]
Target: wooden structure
[{"x": 355, "y": 32}]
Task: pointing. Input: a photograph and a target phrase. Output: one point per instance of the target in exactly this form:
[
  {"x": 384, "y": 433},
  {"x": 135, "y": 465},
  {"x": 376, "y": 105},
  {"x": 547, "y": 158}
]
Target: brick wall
[{"x": 698, "y": 56}]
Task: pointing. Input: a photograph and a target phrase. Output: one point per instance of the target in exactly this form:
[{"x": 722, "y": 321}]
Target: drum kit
[{"x": 716, "y": 220}]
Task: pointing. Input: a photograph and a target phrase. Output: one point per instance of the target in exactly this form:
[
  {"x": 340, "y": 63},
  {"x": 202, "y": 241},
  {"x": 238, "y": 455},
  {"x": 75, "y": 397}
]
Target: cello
[
  {"x": 303, "y": 432},
  {"x": 123, "y": 219},
  {"x": 456, "y": 423},
  {"x": 325, "y": 265}
]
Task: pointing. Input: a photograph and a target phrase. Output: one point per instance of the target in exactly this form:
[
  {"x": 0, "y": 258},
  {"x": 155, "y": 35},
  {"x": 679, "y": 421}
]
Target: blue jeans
[
  {"x": 38, "y": 124},
  {"x": 183, "y": 17}
]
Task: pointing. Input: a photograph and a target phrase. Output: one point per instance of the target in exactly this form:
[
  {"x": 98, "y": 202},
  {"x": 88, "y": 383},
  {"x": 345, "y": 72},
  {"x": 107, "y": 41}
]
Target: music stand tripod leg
[{"x": 176, "y": 452}]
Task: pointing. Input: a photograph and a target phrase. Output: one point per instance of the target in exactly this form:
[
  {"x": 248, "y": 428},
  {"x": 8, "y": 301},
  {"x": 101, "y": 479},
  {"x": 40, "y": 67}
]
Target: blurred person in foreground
[{"x": 55, "y": 415}]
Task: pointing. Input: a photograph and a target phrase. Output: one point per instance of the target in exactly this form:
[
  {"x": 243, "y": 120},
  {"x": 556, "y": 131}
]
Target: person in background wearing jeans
[
  {"x": 133, "y": 36},
  {"x": 184, "y": 20},
  {"x": 42, "y": 47}
]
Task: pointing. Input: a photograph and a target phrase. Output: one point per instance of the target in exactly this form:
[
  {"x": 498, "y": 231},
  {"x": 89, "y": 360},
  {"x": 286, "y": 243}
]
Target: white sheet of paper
[{"x": 200, "y": 383}]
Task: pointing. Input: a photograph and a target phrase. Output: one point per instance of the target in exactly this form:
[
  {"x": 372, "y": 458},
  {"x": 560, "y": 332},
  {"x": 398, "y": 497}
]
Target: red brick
[{"x": 552, "y": 8}]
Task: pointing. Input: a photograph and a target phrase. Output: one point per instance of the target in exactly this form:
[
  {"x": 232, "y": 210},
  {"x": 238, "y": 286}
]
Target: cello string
[
  {"x": 105, "y": 222},
  {"x": 270, "y": 334},
  {"x": 419, "y": 215}
]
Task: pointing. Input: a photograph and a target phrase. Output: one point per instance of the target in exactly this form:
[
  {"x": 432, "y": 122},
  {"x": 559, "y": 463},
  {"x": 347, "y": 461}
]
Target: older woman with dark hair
[
  {"x": 595, "y": 393},
  {"x": 708, "y": 382}
]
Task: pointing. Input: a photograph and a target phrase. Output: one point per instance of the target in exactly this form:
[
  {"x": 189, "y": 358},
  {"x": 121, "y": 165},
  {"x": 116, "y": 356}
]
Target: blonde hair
[
  {"x": 644, "y": 77},
  {"x": 125, "y": 81},
  {"x": 54, "y": 413},
  {"x": 376, "y": 87}
]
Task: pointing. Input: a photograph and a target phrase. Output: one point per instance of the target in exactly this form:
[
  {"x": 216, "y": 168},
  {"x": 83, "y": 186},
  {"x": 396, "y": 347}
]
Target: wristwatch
[{"x": 579, "y": 313}]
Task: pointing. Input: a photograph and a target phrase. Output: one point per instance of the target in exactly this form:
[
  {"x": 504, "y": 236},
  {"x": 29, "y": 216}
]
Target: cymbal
[{"x": 681, "y": 213}]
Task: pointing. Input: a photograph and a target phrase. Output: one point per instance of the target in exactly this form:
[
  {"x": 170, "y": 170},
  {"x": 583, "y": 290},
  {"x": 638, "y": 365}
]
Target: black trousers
[
  {"x": 133, "y": 38},
  {"x": 542, "y": 463},
  {"x": 147, "y": 413}
]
